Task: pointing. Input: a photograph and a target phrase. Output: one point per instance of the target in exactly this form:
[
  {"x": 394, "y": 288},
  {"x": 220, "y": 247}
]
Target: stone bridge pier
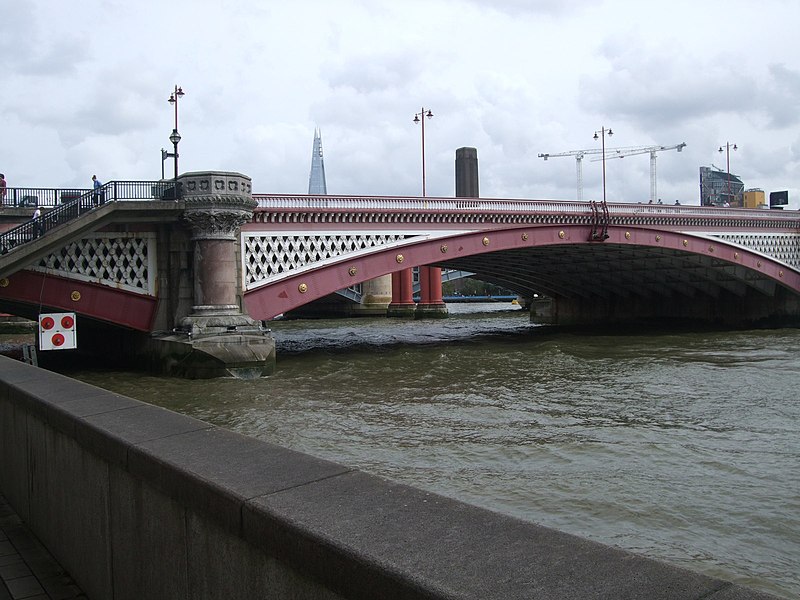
[{"x": 217, "y": 337}]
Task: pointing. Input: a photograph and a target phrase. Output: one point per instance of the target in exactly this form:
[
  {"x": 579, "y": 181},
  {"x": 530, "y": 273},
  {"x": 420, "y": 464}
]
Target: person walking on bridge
[
  {"x": 98, "y": 196},
  {"x": 2, "y": 189},
  {"x": 37, "y": 223}
]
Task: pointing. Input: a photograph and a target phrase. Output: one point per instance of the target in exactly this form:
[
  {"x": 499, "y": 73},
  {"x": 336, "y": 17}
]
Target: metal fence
[
  {"x": 73, "y": 203},
  {"x": 44, "y": 197}
]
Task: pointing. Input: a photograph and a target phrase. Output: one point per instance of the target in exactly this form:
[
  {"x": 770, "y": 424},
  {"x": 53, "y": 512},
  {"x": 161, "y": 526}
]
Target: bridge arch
[{"x": 559, "y": 261}]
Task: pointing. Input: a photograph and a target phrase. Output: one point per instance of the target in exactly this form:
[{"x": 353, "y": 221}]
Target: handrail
[{"x": 82, "y": 203}]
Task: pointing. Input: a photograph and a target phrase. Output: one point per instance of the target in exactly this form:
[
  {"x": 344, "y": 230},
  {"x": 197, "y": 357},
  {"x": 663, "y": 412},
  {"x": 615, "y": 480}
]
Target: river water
[{"x": 679, "y": 446}]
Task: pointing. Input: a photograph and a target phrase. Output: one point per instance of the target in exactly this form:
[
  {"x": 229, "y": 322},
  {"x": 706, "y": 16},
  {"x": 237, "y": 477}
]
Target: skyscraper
[{"x": 316, "y": 180}]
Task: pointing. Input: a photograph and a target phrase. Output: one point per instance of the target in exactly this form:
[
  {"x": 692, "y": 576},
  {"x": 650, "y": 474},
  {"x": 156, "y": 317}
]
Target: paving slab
[{"x": 27, "y": 570}]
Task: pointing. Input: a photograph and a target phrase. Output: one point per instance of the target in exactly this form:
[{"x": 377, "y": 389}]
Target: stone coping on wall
[{"x": 355, "y": 534}]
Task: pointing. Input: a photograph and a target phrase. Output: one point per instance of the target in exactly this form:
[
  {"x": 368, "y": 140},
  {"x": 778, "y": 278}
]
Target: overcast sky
[{"x": 85, "y": 89}]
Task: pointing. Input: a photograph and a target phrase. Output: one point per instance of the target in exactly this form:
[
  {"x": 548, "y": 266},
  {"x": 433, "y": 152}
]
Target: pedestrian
[
  {"x": 2, "y": 189},
  {"x": 96, "y": 185},
  {"x": 37, "y": 224}
]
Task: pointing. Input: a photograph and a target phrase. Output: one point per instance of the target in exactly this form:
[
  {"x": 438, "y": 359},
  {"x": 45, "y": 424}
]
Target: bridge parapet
[{"x": 275, "y": 209}]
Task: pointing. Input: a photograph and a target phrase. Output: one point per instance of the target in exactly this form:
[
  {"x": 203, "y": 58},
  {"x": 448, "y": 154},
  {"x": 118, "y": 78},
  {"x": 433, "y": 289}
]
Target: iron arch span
[{"x": 637, "y": 273}]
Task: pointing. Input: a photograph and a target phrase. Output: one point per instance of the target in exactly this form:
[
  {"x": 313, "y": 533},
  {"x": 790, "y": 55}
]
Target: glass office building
[{"x": 718, "y": 188}]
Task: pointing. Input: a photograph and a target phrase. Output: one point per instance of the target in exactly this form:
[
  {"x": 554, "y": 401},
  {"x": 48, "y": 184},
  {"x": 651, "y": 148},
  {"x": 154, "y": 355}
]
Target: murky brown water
[{"x": 682, "y": 447}]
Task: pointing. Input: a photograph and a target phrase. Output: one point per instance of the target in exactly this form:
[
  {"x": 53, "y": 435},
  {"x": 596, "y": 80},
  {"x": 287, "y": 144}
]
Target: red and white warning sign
[{"x": 57, "y": 331}]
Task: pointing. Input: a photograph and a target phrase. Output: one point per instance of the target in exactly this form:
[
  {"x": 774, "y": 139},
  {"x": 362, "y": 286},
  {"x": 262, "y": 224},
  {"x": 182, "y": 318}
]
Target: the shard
[{"x": 316, "y": 180}]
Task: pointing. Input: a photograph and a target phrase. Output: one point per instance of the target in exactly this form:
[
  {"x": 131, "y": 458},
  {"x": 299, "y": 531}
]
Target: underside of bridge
[{"x": 611, "y": 284}]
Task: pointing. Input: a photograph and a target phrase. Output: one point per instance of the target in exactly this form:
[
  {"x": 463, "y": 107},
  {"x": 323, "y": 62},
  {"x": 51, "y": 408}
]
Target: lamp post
[
  {"x": 602, "y": 136},
  {"x": 420, "y": 117},
  {"x": 728, "y": 160},
  {"x": 174, "y": 137}
]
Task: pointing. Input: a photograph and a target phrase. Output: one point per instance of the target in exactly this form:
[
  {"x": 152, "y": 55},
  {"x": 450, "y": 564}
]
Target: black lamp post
[
  {"x": 602, "y": 135},
  {"x": 420, "y": 116},
  {"x": 174, "y": 137},
  {"x": 728, "y": 160}
]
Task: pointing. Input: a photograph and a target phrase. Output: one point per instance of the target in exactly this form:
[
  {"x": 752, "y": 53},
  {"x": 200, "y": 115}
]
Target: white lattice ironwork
[
  {"x": 784, "y": 247},
  {"x": 268, "y": 257},
  {"x": 122, "y": 260}
]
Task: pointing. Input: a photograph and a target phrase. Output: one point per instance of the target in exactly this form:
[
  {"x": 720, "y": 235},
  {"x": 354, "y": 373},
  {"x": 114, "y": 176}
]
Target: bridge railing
[
  {"x": 73, "y": 203},
  {"x": 302, "y": 202},
  {"x": 44, "y": 197}
]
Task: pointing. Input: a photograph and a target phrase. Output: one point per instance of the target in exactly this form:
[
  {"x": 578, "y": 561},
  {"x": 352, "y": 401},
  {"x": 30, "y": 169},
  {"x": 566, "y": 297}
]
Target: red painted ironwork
[{"x": 105, "y": 303}]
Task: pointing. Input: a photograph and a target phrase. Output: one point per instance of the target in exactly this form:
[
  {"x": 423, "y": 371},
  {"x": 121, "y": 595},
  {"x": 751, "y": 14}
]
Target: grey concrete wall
[{"x": 138, "y": 502}]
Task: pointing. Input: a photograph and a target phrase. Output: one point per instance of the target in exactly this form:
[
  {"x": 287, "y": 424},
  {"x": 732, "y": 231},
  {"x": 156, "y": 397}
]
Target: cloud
[
  {"x": 512, "y": 78},
  {"x": 662, "y": 83},
  {"x": 781, "y": 99},
  {"x": 527, "y": 7}
]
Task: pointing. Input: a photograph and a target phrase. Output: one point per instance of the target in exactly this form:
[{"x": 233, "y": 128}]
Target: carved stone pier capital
[
  {"x": 216, "y": 224},
  {"x": 217, "y": 203}
]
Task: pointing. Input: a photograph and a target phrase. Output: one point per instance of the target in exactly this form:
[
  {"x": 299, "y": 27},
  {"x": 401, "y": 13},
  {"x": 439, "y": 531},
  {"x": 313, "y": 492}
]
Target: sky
[{"x": 86, "y": 87}]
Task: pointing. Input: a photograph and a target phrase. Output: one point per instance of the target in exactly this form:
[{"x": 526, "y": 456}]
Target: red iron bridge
[{"x": 205, "y": 256}]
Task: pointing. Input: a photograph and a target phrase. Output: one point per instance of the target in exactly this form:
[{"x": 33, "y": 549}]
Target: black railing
[
  {"x": 73, "y": 203},
  {"x": 45, "y": 197}
]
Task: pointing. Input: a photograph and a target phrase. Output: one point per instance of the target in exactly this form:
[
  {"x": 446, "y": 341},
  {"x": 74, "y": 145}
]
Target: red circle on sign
[
  {"x": 48, "y": 323},
  {"x": 58, "y": 339},
  {"x": 67, "y": 322}
]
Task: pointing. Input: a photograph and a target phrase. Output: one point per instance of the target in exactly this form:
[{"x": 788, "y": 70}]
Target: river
[{"x": 679, "y": 446}]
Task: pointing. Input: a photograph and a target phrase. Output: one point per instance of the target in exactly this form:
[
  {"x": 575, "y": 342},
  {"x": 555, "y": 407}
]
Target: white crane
[
  {"x": 622, "y": 153},
  {"x": 579, "y": 154}
]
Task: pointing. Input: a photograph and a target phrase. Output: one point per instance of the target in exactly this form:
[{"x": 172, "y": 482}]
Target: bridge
[
  {"x": 653, "y": 259},
  {"x": 197, "y": 266}
]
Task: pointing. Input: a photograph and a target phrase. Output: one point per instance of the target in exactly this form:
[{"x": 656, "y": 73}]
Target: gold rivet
[
  {"x": 711, "y": 248},
  {"x": 627, "y": 235},
  {"x": 525, "y": 237},
  {"x": 4, "y": 282},
  {"x": 75, "y": 296},
  {"x": 780, "y": 273},
  {"x": 352, "y": 271},
  {"x": 486, "y": 241},
  {"x": 758, "y": 264},
  {"x": 562, "y": 235},
  {"x": 302, "y": 288},
  {"x": 443, "y": 248},
  {"x": 736, "y": 255},
  {"x": 658, "y": 238},
  {"x": 685, "y": 242},
  {"x": 399, "y": 258}
]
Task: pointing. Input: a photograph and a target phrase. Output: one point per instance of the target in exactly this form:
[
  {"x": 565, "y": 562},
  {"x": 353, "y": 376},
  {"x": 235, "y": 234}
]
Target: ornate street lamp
[
  {"x": 602, "y": 136},
  {"x": 174, "y": 137},
  {"x": 728, "y": 160},
  {"x": 420, "y": 117}
]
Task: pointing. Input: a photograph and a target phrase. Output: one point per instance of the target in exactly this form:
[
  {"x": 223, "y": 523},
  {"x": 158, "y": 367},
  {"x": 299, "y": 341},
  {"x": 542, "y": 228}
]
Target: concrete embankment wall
[{"x": 139, "y": 502}]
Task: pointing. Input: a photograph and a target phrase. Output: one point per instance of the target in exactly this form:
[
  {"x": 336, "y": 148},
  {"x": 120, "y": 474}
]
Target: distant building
[
  {"x": 717, "y": 188},
  {"x": 755, "y": 198},
  {"x": 316, "y": 179}
]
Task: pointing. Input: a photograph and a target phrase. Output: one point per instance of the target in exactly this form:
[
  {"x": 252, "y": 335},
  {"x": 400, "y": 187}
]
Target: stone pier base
[
  {"x": 402, "y": 311},
  {"x": 238, "y": 355},
  {"x": 436, "y": 310}
]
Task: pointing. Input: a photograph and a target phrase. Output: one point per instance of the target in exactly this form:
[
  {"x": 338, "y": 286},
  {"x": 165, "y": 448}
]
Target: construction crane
[
  {"x": 622, "y": 153},
  {"x": 579, "y": 154}
]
